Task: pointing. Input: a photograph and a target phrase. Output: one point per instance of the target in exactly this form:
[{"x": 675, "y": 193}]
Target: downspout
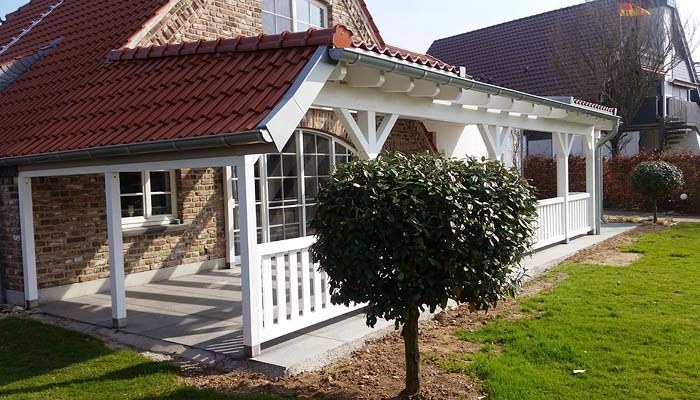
[{"x": 599, "y": 173}]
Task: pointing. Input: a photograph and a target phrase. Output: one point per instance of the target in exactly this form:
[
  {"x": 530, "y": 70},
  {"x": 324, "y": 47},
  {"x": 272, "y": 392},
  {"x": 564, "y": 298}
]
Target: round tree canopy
[
  {"x": 655, "y": 179},
  {"x": 419, "y": 230}
]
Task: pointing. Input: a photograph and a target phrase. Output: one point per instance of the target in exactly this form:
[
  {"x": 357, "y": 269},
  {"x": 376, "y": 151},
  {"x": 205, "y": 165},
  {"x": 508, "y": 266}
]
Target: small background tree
[
  {"x": 409, "y": 233},
  {"x": 618, "y": 61},
  {"x": 655, "y": 180}
]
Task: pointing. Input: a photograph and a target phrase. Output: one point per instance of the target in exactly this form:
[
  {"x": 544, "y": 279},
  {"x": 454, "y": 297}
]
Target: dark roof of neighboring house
[{"x": 518, "y": 54}]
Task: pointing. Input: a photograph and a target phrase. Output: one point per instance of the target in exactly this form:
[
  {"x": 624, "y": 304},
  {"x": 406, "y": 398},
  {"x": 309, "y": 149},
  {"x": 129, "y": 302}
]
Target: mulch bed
[{"x": 377, "y": 370}]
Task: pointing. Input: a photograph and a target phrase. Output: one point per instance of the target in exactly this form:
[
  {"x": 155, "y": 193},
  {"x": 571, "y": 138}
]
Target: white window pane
[
  {"x": 268, "y": 5},
  {"x": 161, "y": 204},
  {"x": 132, "y": 206},
  {"x": 318, "y": 16},
  {"x": 269, "y": 24},
  {"x": 283, "y": 24},
  {"x": 130, "y": 182},
  {"x": 284, "y": 7},
  {"x": 302, "y": 27},
  {"x": 160, "y": 181},
  {"x": 303, "y": 11}
]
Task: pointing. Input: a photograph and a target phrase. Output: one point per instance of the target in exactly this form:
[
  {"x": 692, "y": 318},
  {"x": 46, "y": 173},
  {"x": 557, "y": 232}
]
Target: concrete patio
[{"x": 203, "y": 313}]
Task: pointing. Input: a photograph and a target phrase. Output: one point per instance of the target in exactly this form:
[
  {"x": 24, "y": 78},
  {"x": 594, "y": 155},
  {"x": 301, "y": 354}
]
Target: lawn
[
  {"x": 39, "y": 361},
  {"x": 634, "y": 330}
]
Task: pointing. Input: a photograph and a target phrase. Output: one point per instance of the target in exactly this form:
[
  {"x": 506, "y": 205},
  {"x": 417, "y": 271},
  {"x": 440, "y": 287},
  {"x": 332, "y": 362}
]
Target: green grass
[
  {"x": 39, "y": 361},
  {"x": 635, "y": 330}
]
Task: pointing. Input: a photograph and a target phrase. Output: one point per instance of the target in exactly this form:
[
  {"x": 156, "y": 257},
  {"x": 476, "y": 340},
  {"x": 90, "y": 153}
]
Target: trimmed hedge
[{"x": 542, "y": 174}]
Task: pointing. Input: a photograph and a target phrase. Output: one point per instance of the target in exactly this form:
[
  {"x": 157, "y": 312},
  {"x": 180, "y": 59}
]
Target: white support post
[
  {"x": 250, "y": 263},
  {"x": 229, "y": 203},
  {"x": 367, "y": 138},
  {"x": 116, "y": 250},
  {"x": 591, "y": 176},
  {"x": 26, "y": 217},
  {"x": 495, "y": 139},
  {"x": 564, "y": 142}
]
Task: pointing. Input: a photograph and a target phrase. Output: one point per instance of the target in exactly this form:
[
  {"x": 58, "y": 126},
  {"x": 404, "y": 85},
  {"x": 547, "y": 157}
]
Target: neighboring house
[
  {"x": 143, "y": 140},
  {"x": 520, "y": 55}
]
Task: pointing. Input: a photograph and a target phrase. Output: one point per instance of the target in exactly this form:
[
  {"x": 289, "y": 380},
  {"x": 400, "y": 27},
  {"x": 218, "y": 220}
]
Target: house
[
  {"x": 522, "y": 55},
  {"x": 146, "y": 140}
]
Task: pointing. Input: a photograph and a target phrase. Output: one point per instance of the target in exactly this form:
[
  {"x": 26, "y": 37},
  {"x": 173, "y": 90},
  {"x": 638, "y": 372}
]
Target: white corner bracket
[{"x": 364, "y": 133}]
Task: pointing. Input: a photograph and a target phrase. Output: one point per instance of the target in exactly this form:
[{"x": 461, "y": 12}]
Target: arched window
[{"x": 287, "y": 184}]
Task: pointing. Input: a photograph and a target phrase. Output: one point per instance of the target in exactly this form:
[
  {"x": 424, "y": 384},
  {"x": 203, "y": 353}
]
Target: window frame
[
  {"x": 264, "y": 227},
  {"x": 148, "y": 219},
  {"x": 294, "y": 18}
]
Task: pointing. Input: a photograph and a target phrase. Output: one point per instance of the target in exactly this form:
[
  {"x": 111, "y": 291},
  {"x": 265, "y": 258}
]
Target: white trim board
[{"x": 131, "y": 280}]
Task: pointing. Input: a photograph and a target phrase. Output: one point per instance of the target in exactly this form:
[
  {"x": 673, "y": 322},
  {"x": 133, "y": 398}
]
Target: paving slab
[
  {"x": 200, "y": 316},
  {"x": 548, "y": 258}
]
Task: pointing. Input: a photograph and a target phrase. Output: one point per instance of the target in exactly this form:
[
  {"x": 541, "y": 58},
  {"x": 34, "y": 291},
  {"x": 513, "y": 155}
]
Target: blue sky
[{"x": 414, "y": 24}]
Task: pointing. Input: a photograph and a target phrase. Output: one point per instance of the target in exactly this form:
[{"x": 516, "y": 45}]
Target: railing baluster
[
  {"x": 305, "y": 283},
  {"x": 294, "y": 285},
  {"x": 268, "y": 306},
  {"x": 318, "y": 291},
  {"x": 281, "y": 289}
]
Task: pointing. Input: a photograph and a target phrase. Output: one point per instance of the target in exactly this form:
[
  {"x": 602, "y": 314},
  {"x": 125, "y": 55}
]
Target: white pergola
[{"x": 368, "y": 92}]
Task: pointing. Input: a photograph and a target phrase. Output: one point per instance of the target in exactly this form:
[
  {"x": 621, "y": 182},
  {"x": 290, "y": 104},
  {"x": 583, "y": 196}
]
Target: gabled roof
[
  {"x": 164, "y": 93},
  {"x": 73, "y": 99},
  {"x": 519, "y": 54},
  {"x": 516, "y": 54}
]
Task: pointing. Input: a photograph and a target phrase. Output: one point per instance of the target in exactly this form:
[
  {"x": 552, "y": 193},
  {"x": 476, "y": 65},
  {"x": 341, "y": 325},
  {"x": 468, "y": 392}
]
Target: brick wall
[
  {"x": 10, "y": 241},
  {"x": 71, "y": 228},
  {"x": 409, "y": 136},
  {"x": 191, "y": 20}
]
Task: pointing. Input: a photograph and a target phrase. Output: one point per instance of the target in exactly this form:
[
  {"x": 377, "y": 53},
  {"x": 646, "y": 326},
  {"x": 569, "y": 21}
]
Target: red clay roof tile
[
  {"x": 407, "y": 55},
  {"x": 73, "y": 100}
]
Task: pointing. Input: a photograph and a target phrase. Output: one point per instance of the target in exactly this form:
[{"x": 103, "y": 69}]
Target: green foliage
[
  {"x": 630, "y": 328},
  {"x": 416, "y": 231},
  {"x": 655, "y": 179}
]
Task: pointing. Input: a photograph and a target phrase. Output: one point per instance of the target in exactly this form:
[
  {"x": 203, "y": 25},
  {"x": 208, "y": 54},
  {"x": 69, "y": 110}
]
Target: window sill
[{"x": 153, "y": 230}]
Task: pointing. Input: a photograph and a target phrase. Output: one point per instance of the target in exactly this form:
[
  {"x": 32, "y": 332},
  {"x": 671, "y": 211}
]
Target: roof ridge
[
  {"x": 407, "y": 55},
  {"x": 34, "y": 23},
  {"x": 338, "y": 36}
]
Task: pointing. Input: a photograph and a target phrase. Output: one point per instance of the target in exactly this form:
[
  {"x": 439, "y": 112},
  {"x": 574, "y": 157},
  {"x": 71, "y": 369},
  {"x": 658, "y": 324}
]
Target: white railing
[
  {"x": 550, "y": 226},
  {"x": 553, "y": 228},
  {"x": 579, "y": 214},
  {"x": 295, "y": 294}
]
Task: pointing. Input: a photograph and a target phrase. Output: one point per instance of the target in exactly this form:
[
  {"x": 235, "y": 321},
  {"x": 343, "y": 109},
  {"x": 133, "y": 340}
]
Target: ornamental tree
[
  {"x": 408, "y": 233},
  {"x": 656, "y": 179}
]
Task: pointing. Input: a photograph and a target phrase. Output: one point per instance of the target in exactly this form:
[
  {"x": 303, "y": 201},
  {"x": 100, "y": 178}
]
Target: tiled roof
[
  {"x": 407, "y": 55},
  {"x": 594, "y": 105},
  {"x": 518, "y": 54},
  {"x": 73, "y": 99}
]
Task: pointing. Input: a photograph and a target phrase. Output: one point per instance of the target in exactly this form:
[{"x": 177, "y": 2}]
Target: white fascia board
[
  {"x": 284, "y": 119},
  {"x": 393, "y": 65},
  {"x": 362, "y": 99}
]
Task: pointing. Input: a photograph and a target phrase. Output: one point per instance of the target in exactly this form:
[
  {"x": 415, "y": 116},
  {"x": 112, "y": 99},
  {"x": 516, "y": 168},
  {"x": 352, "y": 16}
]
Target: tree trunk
[
  {"x": 410, "y": 339},
  {"x": 656, "y": 212}
]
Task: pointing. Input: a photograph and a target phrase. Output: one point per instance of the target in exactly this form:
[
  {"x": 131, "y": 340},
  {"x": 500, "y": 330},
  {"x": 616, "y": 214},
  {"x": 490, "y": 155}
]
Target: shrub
[
  {"x": 656, "y": 179},
  {"x": 618, "y": 193},
  {"x": 408, "y": 233}
]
